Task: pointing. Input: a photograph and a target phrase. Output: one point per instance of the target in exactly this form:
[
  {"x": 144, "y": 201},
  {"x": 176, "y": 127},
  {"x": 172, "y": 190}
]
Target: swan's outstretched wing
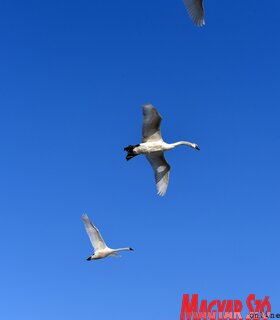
[
  {"x": 151, "y": 124},
  {"x": 196, "y": 11},
  {"x": 115, "y": 254},
  {"x": 94, "y": 234},
  {"x": 161, "y": 169}
]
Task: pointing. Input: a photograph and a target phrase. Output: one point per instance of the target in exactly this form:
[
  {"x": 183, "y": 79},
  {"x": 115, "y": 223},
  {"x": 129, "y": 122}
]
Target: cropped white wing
[
  {"x": 196, "y": 11},
  {"x": 94, "y": 234}
]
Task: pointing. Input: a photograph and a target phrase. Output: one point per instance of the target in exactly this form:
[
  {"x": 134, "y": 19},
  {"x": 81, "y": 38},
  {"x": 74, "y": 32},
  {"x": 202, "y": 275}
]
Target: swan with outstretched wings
[
  {"x": 154, "y": 147},
  {"x": 101, "y": 250}
]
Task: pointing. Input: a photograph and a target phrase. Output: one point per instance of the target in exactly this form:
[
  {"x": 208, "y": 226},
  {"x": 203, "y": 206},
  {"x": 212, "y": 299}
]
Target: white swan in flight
[
  {"x": 100, "y": 248},
  {"x": 196, "y": 11},
  {"x": 153, "y": 147}
]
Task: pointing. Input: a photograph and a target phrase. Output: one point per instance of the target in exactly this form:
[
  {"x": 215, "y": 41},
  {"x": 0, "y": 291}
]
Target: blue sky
[{"x": 73, "y": 78}]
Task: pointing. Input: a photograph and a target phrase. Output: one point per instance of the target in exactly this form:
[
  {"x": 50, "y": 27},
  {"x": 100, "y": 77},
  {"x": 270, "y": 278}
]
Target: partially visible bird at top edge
[{"x": 196, "y": 11}]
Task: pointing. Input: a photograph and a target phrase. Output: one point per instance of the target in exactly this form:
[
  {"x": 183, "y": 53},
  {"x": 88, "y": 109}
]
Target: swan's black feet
[
  {"x": 130, "y": 156},
  {"x": 130, "y": 153},
  {"x": 130, "y": 148}
]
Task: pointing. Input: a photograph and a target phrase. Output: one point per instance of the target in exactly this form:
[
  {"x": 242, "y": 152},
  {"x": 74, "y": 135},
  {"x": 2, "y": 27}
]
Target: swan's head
[{"x": 195, "y": 146}]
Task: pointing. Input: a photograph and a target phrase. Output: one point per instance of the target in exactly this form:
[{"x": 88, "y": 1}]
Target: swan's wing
[
  {"x": 115, "y": 254},
  {"x": 161, "y": 169},
  {"x": 151, "y": 124},
  {"x": 196, "y": 11},
  {"x": 94, "y": 234}
]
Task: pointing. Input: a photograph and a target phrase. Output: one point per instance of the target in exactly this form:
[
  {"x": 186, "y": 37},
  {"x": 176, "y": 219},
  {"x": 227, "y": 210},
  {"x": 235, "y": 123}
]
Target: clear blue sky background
[{"x": 73, "y": 78}]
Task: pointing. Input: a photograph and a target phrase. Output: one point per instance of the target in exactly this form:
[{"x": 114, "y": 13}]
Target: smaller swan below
[{"x": 100, "y": 248}]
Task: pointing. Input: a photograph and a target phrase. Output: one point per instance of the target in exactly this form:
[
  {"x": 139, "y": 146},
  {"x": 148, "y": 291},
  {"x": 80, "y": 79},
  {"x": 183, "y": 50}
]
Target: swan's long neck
[
  {"x": 179, "y": 143},
  {"x": 122, "y": 249}
]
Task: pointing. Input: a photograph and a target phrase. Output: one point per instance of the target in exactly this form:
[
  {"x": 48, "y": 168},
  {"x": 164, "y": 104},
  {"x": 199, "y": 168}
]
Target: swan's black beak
[
  {"x": 197, "y": 148},
  {"x": 131, "y": 249}
]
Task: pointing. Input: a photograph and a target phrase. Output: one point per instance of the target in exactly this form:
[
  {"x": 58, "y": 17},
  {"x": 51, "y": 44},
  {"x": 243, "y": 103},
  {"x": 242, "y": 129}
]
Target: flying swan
[
  {"x": 196, "y": 11},
  {"x": 100, "y": 248},
  {"x": 153, "y": 147}
]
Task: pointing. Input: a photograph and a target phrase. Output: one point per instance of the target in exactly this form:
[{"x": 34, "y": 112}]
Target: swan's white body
[
  {"x": 149, "y": 147},
  {"x": 196, "y": 11},
  {"x": 101, "y": 250},
  {"x": 154, "y": 147}
]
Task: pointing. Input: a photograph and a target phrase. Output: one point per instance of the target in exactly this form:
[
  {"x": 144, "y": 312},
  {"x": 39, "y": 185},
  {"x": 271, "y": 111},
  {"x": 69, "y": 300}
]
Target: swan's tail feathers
[
  {"x": 130, "y": 152},
  {"x": 115, "y": 254}
]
